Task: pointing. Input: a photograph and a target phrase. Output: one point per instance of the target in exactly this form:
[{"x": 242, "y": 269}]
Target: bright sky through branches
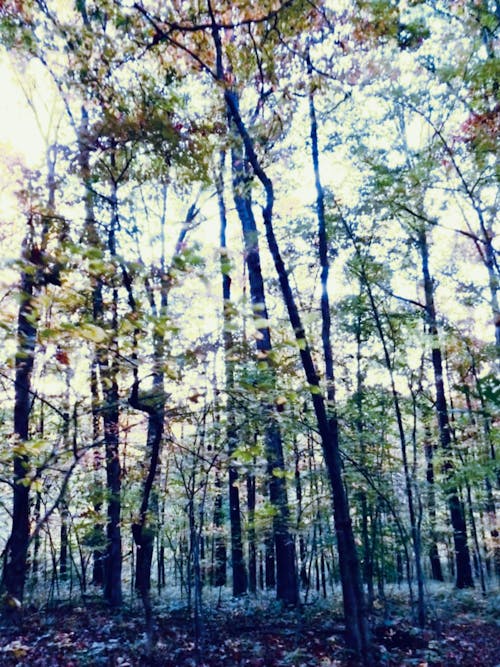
[{"x": 19, "y": 134}]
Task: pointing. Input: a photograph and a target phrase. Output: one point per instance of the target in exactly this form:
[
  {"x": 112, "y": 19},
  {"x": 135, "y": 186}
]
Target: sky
[{"x": 19, "y": 133}]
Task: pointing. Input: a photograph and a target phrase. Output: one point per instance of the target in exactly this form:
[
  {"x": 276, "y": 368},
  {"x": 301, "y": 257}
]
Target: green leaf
[{"x": 301, "y": 343}]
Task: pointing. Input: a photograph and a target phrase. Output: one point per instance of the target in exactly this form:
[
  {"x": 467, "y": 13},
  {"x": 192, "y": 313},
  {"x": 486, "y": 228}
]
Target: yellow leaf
[
  {"x": 37, "y": 485},
  {"x": 13, "y": 603},
  {"x": 258, "y": 307},
  {"x": 261, "y": 323},
  {"x": 92, "y": 332}
]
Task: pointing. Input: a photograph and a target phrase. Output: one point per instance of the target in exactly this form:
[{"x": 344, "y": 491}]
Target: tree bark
[
  {"x": 34, "y": 274},
  {"x": 108, "y": 366},
  {"x": 357, "y": 632},
  {"x": 219, "y": 573},
  {"x": 92, "y": 239},
  {"x": 286, "y": 575},
  {"x": 455, "y": 506},
  {"x": 15, "y": 565},
  {"x": 252, "y": 538},
  {"x": 436, "y": 569},
  {"x": 237, "y": 556}
]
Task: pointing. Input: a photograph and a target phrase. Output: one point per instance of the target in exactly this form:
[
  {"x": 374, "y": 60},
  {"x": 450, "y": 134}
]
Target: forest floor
[{"x": 464, "y": 631}]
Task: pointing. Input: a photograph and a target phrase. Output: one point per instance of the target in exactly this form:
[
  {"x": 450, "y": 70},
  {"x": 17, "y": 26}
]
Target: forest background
[{"x": 250, "y": 321}]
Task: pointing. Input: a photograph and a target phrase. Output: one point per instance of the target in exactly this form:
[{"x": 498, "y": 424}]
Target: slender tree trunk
[
  {"x": 15, "y": 565},
  {"x": 37, "y": 540},
  {"x": 252, "y": 538},
  {"x": 35, "y": 273},
  {"x": 113, "y": 559},
  {"x": 455, "y": 506},
  {"x": 98, "y": 552},
  {"x": 478, "y": 558},
  {"x": 436, "y": 569},
  {"x": 108, "y": 367},
  {"x": 357, "y": 632},
  {"x": 363, "y": 497},
  {"x": 219, "y": 574},
  {"x": 286, "y": 576},
  {"x": 493, "y": 283},
  {"x": 63, "y": 537},
  {"x": 237, "y": 556},
  {"x": 92, "y": 239},
  {"x": 409, "y": 481},
  {"x": 145, "y": 529},
  {"x": 325, "y": 311},
  {"x": 298, "y": 495}
]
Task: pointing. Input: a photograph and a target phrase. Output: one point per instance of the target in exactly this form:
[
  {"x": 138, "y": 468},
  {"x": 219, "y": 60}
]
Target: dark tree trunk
[
  {"x": 237, "y": 556},
  {"x": 357, "y": 632},
  {"x": 93, "y": 241},
  {"x": 98, "y": 541},
  {"x": 436, "y": 569},
  {"x": 409, "y": 481},
  {"x": 108, "y": 366},
  {"x": 35, "y": 274},
  {"x": 286, "y": 575},
  {"x": 298, "y": 494},
  {"x": 145, "y": 529},
  {"x": 363, "y": 498},
  {"x": 219, "y": 574},
  {"x": 270, "y": 562},
  {"x": 455, "y": 506},
  {"x": 63, "y": 548},
  {"x": 36, "y": 539},
  {"x": 113, "y": 558},
  {"x": 252, "y": 545},
  {"x": 15, "y": 567}
]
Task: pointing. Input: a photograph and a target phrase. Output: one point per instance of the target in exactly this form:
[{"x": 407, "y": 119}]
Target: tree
[
  {"x": 37, "y": 271},
  {"x": 237, "y": 556}
]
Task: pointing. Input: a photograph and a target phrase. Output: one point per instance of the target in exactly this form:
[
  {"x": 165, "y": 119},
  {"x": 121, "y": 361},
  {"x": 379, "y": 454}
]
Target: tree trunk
[
  {"x": 108, "y": 366},
  {"x": 98, "y": 540},
  {"x": 357, "y": 633},
  {"x": 91, "y": 237},
  {"x": 436, "y": 569},
  {"x": 145, "y": 529},
  {"x": 63, "y": 547},
  {"x": 409, "y": 481},
  {"x": 252, "y": 544},
  {"x": 298, "y": 494},
  {"x": 363, "y": 498},
  {"x": 35, "y": 274},
  {"x": 286, "y": 575},
  {"x": 15, "y": 566},
  {"x": 237, "y": 556},
  {"x": 455, "y": 506},
  {"x": 220, "y": 561}
]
